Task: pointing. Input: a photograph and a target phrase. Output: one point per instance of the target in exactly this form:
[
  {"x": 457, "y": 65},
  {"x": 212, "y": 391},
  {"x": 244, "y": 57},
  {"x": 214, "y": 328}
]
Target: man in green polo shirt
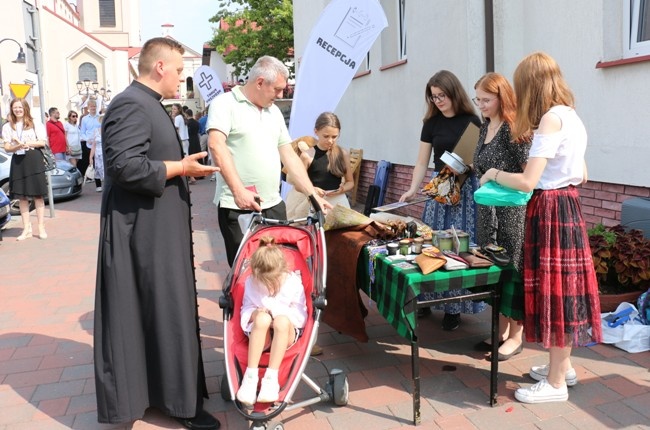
[{"x": 249, "y": 141}]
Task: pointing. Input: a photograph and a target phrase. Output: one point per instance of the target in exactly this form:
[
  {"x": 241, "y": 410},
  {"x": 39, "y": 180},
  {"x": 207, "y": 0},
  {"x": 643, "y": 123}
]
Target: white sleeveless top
[{"x": 564, "y": 151}]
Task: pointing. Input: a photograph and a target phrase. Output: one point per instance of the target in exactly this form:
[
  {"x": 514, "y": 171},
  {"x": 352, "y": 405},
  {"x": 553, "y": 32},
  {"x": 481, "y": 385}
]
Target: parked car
[
  {"x": 66, "y": 181},
  {"x": 5, "y": 212}
]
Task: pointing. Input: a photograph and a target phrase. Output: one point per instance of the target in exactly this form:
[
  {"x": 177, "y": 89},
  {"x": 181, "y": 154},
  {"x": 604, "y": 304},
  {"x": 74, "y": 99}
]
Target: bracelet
[
  {"x": 183, "y": 166},
  {"x": 496, "y": 175}
]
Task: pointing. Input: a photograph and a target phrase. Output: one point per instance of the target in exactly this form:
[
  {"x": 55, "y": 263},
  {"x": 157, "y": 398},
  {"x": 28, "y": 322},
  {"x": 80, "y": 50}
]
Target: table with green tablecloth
[{"x": 395, "y": 291}]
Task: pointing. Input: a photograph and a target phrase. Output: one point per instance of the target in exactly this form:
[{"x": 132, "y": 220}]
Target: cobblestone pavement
[{"x": 46, "y": 373}]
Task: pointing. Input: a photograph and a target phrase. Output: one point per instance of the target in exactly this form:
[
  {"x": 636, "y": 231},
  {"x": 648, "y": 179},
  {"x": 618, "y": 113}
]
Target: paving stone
[
  {"x": 57, "y": 390},
  {"x": 47, "y": 313}
]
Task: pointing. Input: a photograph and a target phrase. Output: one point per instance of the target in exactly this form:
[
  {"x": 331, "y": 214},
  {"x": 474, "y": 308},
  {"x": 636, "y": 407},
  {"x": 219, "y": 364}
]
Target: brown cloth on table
[{"x": 345, "y": 310}]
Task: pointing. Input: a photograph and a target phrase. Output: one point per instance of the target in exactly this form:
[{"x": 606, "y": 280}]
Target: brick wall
[{"x": 601, "y": 202}]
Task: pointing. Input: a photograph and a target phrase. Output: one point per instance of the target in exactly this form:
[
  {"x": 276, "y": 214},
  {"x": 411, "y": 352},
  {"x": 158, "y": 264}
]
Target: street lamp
[{"x": 20, "y": 59}]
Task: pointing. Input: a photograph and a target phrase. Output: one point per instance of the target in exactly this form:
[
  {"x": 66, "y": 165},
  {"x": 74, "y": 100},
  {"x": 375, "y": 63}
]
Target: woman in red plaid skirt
[{"x": 560, "y": 288}]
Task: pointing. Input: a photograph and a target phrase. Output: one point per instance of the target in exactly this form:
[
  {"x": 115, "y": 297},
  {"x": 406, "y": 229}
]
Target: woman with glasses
[
  {"x": 562, "y": 307},
  {"x": 504, "y": 226},
  {"x": 449, "y": 111},
  {"x": 73, "y": 138}
]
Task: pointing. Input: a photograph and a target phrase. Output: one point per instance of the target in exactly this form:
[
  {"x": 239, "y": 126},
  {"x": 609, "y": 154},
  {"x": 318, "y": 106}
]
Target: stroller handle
[{"x": 317, "y": 209}]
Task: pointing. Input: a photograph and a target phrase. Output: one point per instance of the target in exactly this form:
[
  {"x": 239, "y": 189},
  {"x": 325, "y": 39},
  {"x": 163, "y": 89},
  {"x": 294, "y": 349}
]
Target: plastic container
[
  {"x": 404, "y": 247},
  {"x": 445, "y": 241},
  {"x": 417, "y": 245}
]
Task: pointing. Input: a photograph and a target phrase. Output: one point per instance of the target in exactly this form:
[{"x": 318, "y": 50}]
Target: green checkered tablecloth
[{"x": 395, "y": 288}]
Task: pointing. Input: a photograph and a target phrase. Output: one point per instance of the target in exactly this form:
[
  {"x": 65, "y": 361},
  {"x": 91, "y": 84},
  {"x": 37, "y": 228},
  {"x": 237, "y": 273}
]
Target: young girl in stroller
[{"x": 273, "y": 315}]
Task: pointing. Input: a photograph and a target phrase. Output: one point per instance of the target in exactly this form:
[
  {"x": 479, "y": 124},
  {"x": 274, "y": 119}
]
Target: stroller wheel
[
  {"x": 274, "y": 425},
  {"x": 225, "y": 389},
  {"x": 340, "y": 387}
]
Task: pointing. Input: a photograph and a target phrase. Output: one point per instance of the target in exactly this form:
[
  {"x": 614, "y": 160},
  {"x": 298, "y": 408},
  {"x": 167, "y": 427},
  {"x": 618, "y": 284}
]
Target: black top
[
  {"x": 320, "y": 176},
  {"x": 443, "y": 133}
]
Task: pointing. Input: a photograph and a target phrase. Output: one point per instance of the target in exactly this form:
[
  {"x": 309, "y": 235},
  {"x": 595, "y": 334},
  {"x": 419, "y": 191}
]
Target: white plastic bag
[{"x": 625, "y": 330}]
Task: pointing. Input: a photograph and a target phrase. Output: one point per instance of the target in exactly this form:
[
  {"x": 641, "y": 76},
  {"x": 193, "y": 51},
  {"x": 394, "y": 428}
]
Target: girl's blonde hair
[
  {"x": 335, "y": 161},
  {"x": 539, "y": 85},
  {"x": 268, "y": 264}
]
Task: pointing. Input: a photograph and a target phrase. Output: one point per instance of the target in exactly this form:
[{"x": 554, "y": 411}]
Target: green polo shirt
[{"x": 253, "y": 137}]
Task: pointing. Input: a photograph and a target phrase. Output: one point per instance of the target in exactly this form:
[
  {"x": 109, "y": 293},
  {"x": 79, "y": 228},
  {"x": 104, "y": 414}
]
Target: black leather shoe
[
  {"x": 423, "y": 312},
  {"x": 203, "y": 421},
  {"x": 450, "y": 321}
]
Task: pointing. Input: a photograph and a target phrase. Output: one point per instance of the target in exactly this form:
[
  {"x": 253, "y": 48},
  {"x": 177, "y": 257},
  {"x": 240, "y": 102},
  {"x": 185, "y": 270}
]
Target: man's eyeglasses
[
  {"x": 437, "y": 99},
  {"x": 479, "y": 102}
]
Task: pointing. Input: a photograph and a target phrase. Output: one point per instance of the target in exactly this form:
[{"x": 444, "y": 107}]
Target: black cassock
[{"x": 146, "y": 347}]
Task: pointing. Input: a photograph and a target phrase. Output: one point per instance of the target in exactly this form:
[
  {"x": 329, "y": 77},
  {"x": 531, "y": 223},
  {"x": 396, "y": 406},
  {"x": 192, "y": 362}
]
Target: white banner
[
  {"x": 337, "y": 46},
  {"x": 208, "y": 83}
]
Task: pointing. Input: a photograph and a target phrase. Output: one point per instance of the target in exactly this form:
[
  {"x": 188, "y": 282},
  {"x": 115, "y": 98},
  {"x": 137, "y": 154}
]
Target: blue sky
[{"x": 190, "y": 20}]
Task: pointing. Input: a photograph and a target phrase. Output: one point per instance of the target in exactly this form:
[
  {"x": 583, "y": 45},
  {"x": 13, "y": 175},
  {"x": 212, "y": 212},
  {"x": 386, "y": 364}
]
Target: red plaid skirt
[{"x": 560, "y": 287}]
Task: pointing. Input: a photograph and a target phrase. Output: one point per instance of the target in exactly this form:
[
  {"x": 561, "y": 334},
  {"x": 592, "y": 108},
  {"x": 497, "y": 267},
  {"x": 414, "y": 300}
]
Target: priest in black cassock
[{"x": 146, "y": 346}]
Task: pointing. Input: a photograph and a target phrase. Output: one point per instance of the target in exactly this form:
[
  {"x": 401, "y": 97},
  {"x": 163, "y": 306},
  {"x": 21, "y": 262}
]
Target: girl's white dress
[{"x": 289, "y": 301}]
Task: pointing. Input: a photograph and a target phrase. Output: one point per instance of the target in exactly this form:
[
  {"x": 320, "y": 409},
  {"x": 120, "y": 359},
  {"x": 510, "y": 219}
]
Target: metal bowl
[{"x": 454, "y": 161}]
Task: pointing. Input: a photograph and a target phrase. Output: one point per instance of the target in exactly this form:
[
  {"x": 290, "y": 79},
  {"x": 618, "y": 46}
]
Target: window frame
[
  {"x": 632, "y": 48},
  {"x": 107, "y": 13},
  {"x": 402, "y": 29}
]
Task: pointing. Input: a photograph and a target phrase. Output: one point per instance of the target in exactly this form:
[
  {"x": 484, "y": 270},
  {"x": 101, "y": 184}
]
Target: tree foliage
[{"x": 255, "y": 28}]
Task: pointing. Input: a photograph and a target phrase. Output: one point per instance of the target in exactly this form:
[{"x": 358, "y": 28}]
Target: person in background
[
  {"x": 56, "y": 134},
  {"x": 194, "y": 146},
  {"x": 273, "y": 315},
  {"x": 23, "y": 136},
  {"x": 560, "y": 287},
  {"x": 97, "y": 156},
  {"x": 147, "y": 348},
  {"x": 328, "y": 167},
  {"x": 203, "y": 120},
  {"x": 89, "y": 123},
  {"x": 504, "y": 226},
  {"x": 449, "y": 111},
  {"x": 249, "y": 141},
  {"x": 72, "y": 137},
  {"x": 180, "y": 122}
]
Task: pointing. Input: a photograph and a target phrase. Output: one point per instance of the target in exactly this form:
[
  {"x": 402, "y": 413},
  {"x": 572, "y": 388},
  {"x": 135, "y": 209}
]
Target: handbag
[
  {"x": 445, "y": 187},
  {"x": 430, "y": 260},
  {"x": 90, "y": 173},
  {"x": 454, "y": 262},
  {"x": 497, "y": 254},
  {"x": 48, "y": 158},
  {"x": 476, "y": 260},
  {"x": 75, "y": 151},
  {"x": 493, "y": 194}
]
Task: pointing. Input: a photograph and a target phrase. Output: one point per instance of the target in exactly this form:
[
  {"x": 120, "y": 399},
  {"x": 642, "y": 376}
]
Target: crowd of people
[{"x": 146, "y": 332}]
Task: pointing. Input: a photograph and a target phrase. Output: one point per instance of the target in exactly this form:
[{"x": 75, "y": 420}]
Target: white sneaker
[
  {"x": 270, "y": 391},
  {"x": 247, "y": 390},
  {"x": 542, "y": 392},
  {"x": 98, "y": 189},
  {"x": 541, "y": 372}
]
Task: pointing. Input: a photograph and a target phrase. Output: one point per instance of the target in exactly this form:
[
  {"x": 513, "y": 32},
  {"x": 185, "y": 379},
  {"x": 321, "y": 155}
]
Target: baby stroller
[{"x": 303, "y": 243}]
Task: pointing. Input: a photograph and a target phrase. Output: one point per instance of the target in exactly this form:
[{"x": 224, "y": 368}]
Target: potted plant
[{"x": 622, "y": 262}]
